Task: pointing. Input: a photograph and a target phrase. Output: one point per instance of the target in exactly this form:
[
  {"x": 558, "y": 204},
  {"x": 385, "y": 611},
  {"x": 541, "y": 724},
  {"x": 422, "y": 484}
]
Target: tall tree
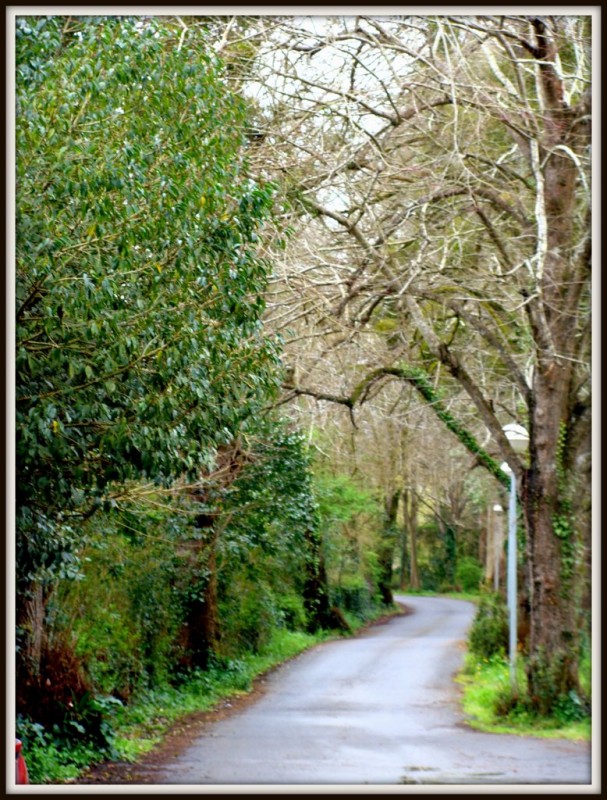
[
  {"x": 139, "y": 288},
  {"x": 440, "y": 166}
]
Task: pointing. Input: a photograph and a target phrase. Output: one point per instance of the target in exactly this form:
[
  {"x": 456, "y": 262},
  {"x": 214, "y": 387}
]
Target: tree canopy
[
  {"x": 139, "y": 289},
  {"x": 438, "y": 169}
]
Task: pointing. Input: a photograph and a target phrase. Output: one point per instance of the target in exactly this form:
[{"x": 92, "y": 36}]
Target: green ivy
[
  {"x": 562, "y": 521},
  {"x": 419, "y": 379}
]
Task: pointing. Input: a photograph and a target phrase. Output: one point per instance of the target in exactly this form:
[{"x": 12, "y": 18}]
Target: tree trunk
[
  {"x": 553, "y": 661},
  {"x": 31, "y": 607},
  {"x": 386, "y": 549},
  {"x": 31, "y": 613},
  {"x": 410, "y": 507},
  {"x": 553, "y": 643},
  {"x": 553, "y": 637},
  {"x": 404, "y": 558},
  {"x": 202, "y": 631},
  {"x": 316, "y": 588}
]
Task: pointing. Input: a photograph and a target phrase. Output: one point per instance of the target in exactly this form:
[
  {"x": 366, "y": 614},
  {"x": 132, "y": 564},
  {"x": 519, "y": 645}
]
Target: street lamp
[{"x": 519, "y": 440}]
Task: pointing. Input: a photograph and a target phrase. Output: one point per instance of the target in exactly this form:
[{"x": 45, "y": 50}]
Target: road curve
[{"x": 380, "y": 708}]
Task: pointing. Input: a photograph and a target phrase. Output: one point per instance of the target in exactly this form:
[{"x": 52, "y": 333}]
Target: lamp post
[{"x": 519, "y": 439}]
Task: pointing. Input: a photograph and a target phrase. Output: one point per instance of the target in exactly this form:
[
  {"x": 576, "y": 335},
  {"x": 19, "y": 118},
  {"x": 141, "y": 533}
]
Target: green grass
[
  {"x": 487, "y": 681},
  {"x": 472, "y": 597}
]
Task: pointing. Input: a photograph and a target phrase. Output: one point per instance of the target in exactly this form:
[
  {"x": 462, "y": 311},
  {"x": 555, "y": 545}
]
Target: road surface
[{"x": 381, "y": 708}]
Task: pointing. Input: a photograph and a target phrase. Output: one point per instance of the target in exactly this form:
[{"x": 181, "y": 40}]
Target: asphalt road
[{"x": 377, "y": 709}]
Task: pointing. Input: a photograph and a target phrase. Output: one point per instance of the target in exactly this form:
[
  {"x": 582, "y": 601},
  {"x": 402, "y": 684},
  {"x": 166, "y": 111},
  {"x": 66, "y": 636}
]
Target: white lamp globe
[{"x": 517, "y": 436}]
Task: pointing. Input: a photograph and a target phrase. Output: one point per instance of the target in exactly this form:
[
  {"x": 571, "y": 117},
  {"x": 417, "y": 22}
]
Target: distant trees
[{"x": 438, "y": 172}]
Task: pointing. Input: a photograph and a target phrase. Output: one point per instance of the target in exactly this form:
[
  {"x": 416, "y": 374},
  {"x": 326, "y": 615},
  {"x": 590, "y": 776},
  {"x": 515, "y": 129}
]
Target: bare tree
[{"x": 439, "y": 167}]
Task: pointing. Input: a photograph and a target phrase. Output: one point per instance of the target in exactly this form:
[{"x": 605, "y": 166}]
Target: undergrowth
[
  {"x": 491, "y": 705},
  {"x": 495, "y": 702}
]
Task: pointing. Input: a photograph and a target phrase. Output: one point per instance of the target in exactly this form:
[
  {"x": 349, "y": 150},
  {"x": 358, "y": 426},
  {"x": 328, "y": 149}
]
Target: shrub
[
  {"x": 291, "y": 612},
  {"x": 468, "y": 574},
  {"x": 355, "y": 596},
  {"x": 126, "y": 611},
  {"x": 489, "y": 633},
  {"x": 247, "y": 618},
  {"x": 51, "y": 759},
  {"x": 108, "y": 640},
  {"x": 571, "y": 708}
]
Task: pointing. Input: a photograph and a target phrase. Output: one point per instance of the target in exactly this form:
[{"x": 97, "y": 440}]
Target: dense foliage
[
  {"x": 141, "y": 371},
  {"x": 138, "y": 291}
]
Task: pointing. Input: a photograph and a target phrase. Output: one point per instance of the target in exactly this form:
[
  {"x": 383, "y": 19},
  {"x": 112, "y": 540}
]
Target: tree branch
[{"x": 493, "y": 339}]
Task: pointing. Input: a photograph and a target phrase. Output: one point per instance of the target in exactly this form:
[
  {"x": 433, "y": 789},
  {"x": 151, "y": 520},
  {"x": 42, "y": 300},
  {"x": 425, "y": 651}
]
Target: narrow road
[{"x": 377, "y": 709}]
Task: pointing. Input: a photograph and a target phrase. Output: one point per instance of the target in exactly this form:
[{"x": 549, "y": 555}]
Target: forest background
[{"x": 280, "y": 283}]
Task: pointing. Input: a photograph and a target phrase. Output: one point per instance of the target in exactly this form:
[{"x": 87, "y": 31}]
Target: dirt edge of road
[{"x": 187, "y": 728}]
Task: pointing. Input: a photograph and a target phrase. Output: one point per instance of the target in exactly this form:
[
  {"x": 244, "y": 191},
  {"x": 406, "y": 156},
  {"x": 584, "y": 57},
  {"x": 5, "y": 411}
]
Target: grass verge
[
  {"x": 472, "y": 597},
  {"x": 486, "y": 686}
]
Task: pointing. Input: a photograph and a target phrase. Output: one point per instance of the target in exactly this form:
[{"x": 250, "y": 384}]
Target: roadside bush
[
  {"x": 52, "y": 760},
  {"x": 248, "y": 615},
  {"x": 125, "y": 613},
  {"x": 516, "y": 705},
  {"x": 109, "y": 642},
  {"x": 489, "y": 632},
  {"x": 355, "y": 596},
  {"x": 571, "y": 708},
  {"x": 291, "y": 612},
  {"x": 468, "y": 574},
  {"x": 156, "y": 610}
]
